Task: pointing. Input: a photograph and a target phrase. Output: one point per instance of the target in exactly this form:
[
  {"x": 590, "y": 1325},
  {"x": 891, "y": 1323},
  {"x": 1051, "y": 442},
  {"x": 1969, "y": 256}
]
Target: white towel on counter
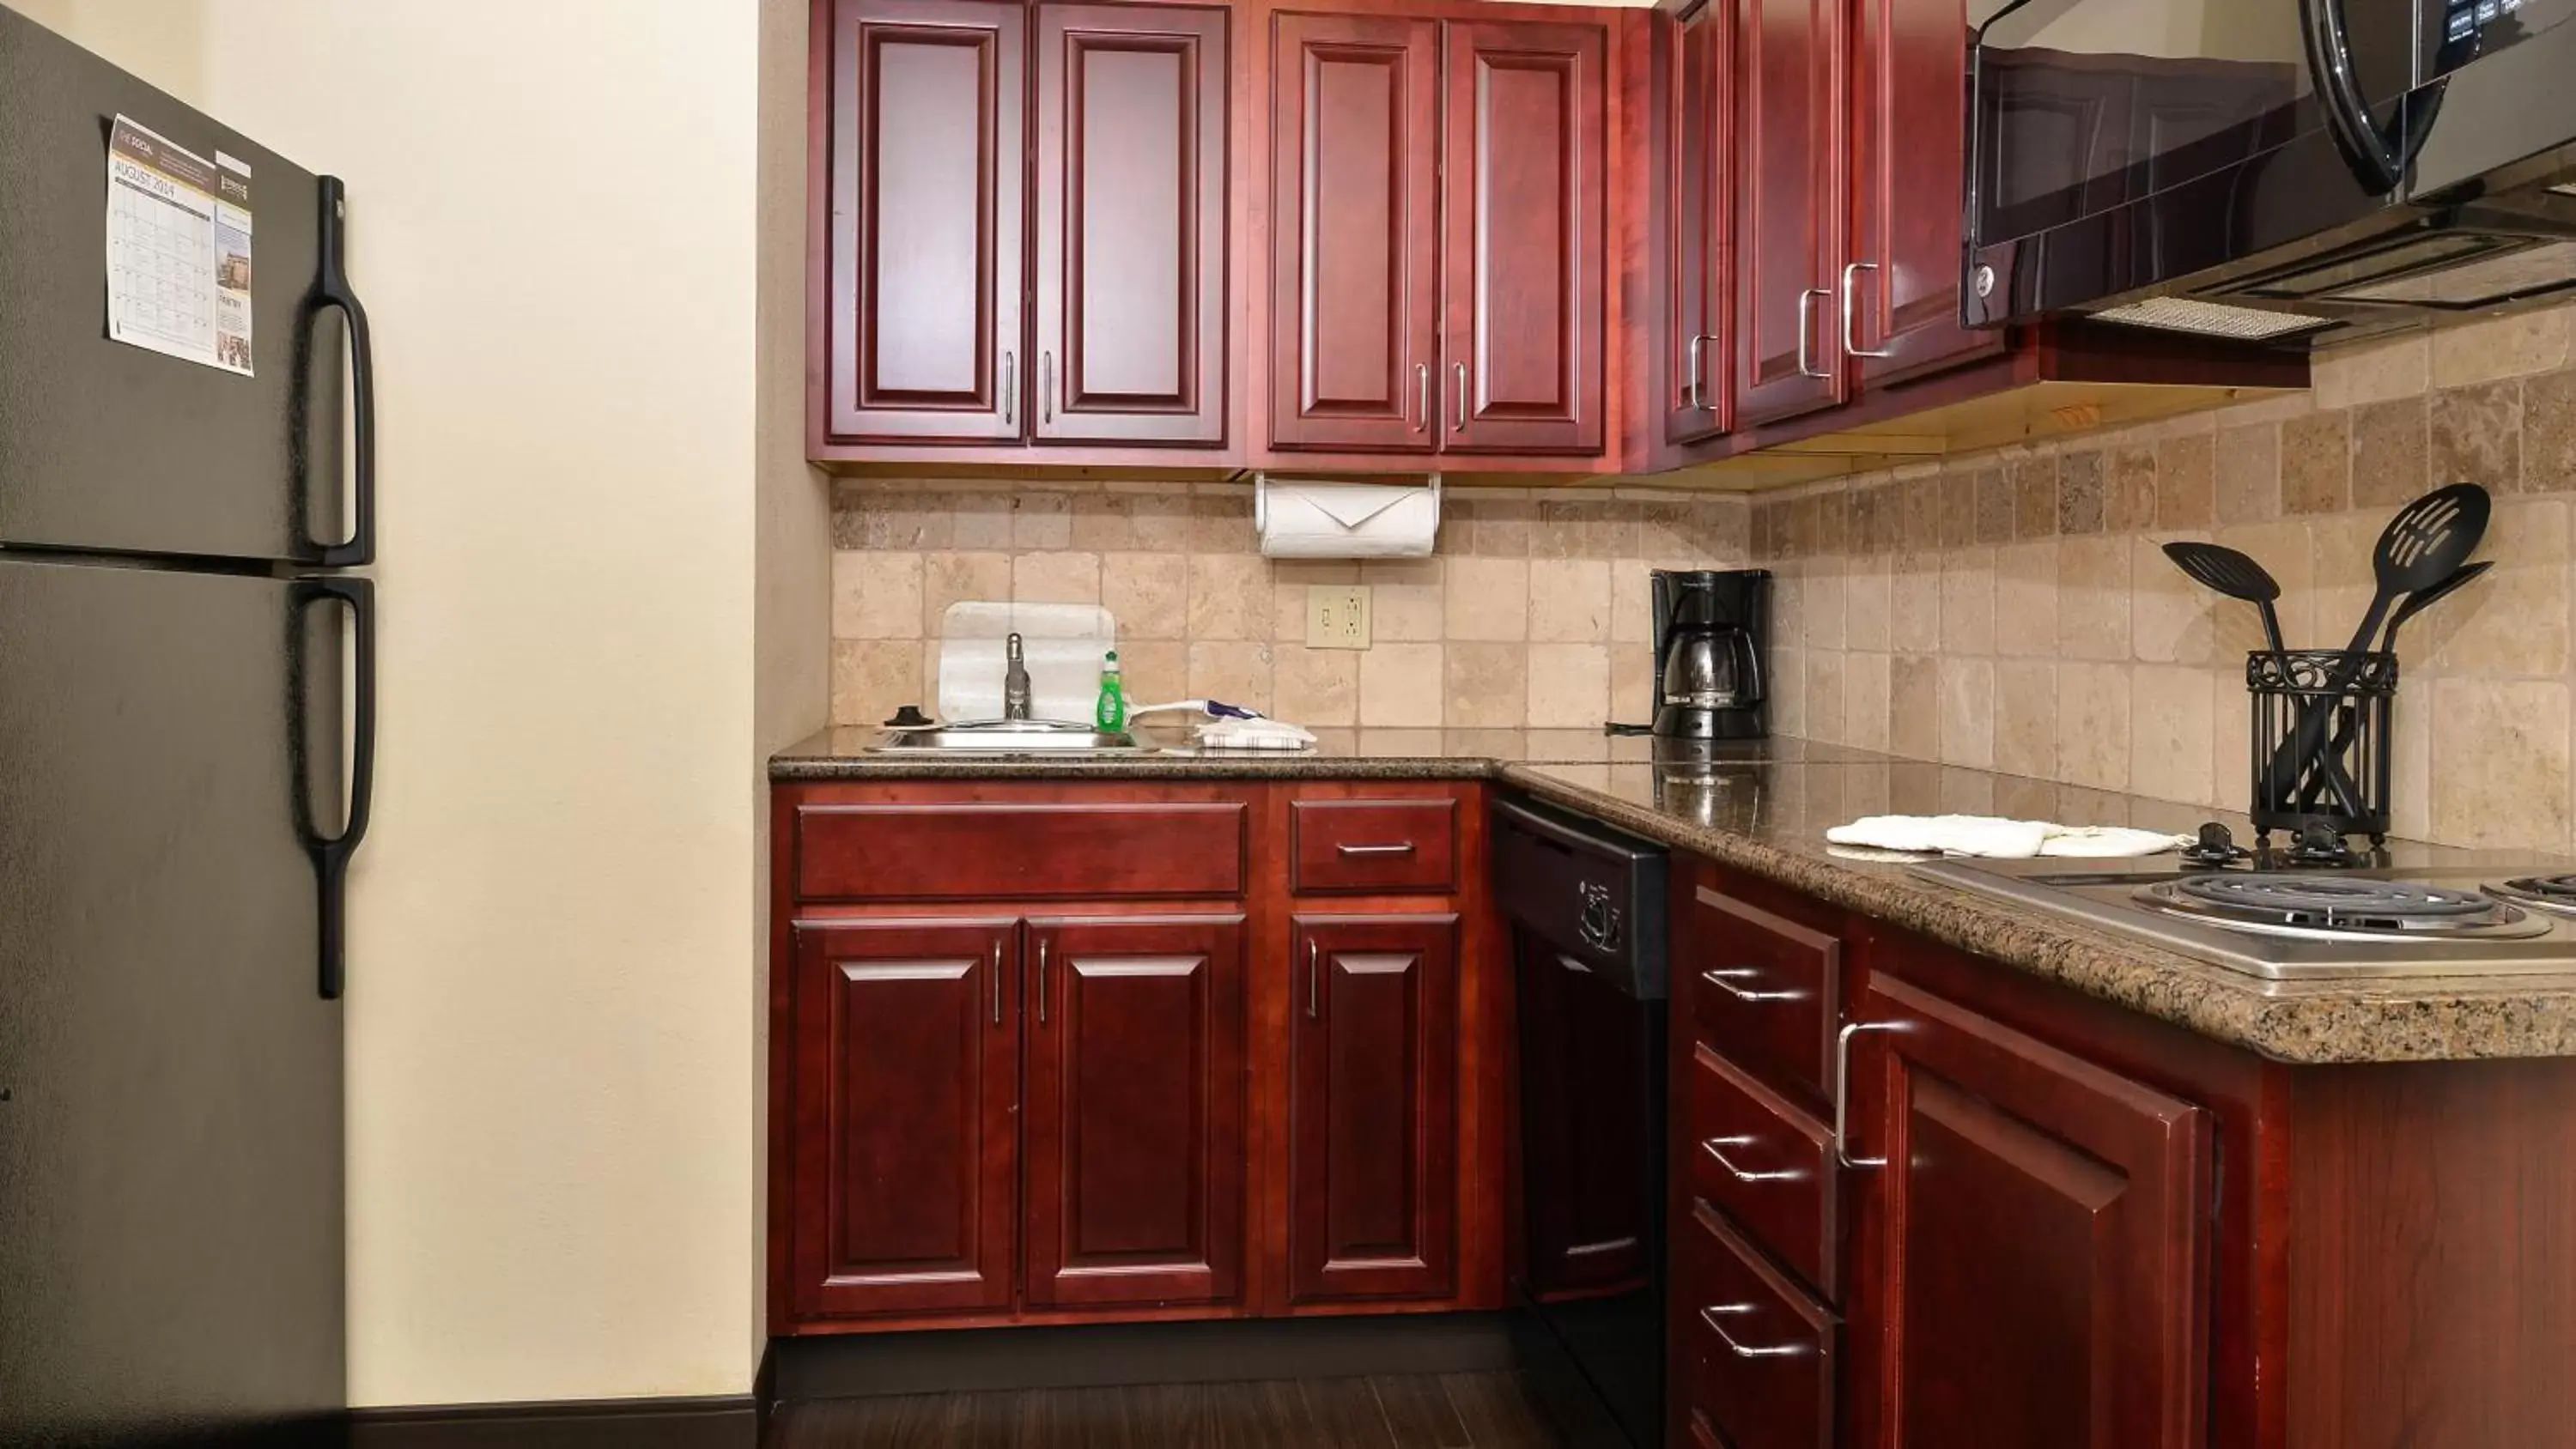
[
  {"x": 2000, "y": 839},
  {"x": 1253, "y": 734}
]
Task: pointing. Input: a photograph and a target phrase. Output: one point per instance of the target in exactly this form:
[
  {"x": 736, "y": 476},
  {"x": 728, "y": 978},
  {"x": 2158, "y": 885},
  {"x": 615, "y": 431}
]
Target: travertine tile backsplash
[
  {"x": 1532, "y": 615},
  {"x": 2010, "y": 611},
  {"x": 2014, "y": 610}
]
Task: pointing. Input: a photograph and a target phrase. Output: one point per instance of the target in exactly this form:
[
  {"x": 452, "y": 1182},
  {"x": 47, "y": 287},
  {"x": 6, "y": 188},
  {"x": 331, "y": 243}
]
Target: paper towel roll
[{"x": 1316, "y": 519}]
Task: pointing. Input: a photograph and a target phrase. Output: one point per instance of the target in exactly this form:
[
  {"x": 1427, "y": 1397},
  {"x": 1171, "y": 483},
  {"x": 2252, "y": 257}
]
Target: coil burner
[
  {"x": 2556, "y": 893},
  {"x": 2343, "y": 908}
]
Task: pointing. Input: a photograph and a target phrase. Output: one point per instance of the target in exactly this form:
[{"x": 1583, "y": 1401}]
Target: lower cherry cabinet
[
  {"x": 1135, "y": 1136},
  {"x": 912, "y": 1042},
  {"x": 2040, "y": 1222},
  {"x": 1373, "y": 1100},
  {"x": 907, "y": 1099}
]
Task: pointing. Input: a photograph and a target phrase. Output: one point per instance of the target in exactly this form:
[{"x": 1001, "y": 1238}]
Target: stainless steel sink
[{"x": 1009, "y": 737}]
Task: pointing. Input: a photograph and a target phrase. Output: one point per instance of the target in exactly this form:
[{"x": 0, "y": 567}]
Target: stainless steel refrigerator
[{"x": 186, "y": 724}]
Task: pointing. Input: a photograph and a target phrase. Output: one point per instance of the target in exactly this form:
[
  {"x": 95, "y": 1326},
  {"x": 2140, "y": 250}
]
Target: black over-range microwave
[{"x": 2290, "y": 171}]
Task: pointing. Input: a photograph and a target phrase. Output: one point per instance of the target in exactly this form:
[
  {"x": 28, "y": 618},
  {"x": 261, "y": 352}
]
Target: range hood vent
[{"x": 2211, "y": 319}]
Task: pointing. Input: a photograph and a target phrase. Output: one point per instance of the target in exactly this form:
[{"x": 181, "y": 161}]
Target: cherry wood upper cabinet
[
  {"x": 1789, "y": 212},
  {"x": 1131, "y": 208},
  {"x": 1136, "y": 1143},
  {"x": 924, "y": 240},
  {"x": 1899, "y": 288},
  {"x": 1699, "y": 113},
  {"x": 906, "y": 1041},
  {"x": 1354, "y": 233},
  {"x": 2017, "y": 1174},
  {"x": 1373, "y": 1096},
  {"x": 1526, "y": 116}
]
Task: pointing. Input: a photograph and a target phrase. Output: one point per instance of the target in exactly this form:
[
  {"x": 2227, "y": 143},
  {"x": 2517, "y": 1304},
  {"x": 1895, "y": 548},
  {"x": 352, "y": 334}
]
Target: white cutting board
[{"x": 1063, "y": 645}]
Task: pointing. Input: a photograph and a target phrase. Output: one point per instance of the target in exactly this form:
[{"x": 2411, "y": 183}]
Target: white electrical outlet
[{"x": 1337, "y": 616}]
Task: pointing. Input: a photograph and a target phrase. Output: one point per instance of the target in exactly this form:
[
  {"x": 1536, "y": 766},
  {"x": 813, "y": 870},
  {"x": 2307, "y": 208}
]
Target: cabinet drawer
[
  {"x": 1757, "y": 1352},
  {"x": 1003, "y": 850},
  {"x": 1765, "y": 991},
  {"x": 1768, "y": 1164},
  {"x": 1374, "y": 845}
]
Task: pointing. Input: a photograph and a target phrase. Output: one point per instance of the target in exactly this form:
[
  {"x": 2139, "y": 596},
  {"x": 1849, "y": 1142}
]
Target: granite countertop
[
  {"x": 1763, "y": 808},
  {"x": 842, "y": 754}
]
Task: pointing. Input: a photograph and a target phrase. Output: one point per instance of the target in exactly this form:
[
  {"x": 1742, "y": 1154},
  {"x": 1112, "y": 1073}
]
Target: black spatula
[
  {"x": 2235, "y": 575},
  {"x": 2422, "y": 599}
]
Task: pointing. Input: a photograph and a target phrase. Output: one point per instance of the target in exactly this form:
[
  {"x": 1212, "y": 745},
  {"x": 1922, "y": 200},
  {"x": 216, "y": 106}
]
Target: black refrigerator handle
[
  {"x": 334, "y": 291},
  {"x": 331, "y": 852}
]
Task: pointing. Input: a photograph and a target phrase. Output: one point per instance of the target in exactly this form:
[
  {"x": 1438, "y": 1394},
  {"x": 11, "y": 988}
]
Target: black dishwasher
[{"x": 1585, "y": 906}]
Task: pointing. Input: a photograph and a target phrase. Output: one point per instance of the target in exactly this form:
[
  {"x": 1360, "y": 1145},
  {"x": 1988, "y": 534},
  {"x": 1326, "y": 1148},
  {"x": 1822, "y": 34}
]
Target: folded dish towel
[
  {"x": 2002, "y": 839},
  {"x": 1253, "y": 734}
]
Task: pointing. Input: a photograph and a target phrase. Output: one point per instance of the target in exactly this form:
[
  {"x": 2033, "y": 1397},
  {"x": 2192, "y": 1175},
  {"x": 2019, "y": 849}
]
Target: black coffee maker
[{"x": 1712, "y": 630}]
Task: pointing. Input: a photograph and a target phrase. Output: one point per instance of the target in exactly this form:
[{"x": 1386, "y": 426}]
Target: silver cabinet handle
[
  {"x": 997, "y": 981},
  {"x": 1010, "y": 389},
  {"x": 1042, "y": 980},
  {"x": 1422, "y": 387},
  {"x": 1402, "y": 848},
  {"x": 1698, "y": 353},
  {"x": 1046, "y": 387},
  {"x": 1713, "y": 1145},
  {"x": 1716, "y": 1311},
  {"x": 1314, "y": 979},
  {"x": 1461, "y": 425},
  {"x": 1851, "y": 344},
  {"x": 1807, "y": 332},
  {"x": 1725, "y": 979},
  {"x": 1842, "y": 1090}
]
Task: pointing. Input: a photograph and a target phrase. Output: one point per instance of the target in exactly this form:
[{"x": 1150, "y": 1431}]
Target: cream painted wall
[{"x": 554, "y": 969}]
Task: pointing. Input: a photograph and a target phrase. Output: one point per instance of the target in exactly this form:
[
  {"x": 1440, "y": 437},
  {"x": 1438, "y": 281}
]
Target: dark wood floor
[{"x": 1445, "y": 1411}]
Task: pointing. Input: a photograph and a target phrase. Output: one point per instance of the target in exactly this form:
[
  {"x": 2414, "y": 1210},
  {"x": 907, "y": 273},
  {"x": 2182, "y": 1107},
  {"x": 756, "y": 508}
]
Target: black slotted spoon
[{"x": 2422, "y": 547}]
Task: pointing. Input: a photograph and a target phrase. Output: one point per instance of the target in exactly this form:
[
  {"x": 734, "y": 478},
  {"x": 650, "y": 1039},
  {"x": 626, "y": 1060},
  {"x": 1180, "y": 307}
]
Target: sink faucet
[{"x": 1015, "y": 682}]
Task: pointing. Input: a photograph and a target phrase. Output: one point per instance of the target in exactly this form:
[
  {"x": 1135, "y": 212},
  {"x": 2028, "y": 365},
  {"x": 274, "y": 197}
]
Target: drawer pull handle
[
  {"x": 997, "y": 981},
  {"x": 1713, "y": 1145},
  {"x": 1724, "y": 980},
  {"x": 1715, "y": 1311},
  {"x": 1399, "y": 848},
  {"x": 1314, "y": 979},
  {"x": 1842, "y": 1090},
  {"x": 1042, "y": 980}
]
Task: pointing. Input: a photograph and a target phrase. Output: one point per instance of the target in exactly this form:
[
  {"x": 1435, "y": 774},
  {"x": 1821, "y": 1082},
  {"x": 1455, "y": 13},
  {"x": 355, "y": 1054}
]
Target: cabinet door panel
[
  {"x": 927, "y": 154},
  {"x": 1354, "y": 232},
  {"x": 1136, "y": 1143},
  {"x": 1373, "y": 1108},
  {"x": 2018, "y": 1174},
  {"x": 1131, "y": 129},
  {"x": 1698, "y": 188},
  {"x": 907, "y": 1081},
  {"x": 1523, "y": 262},
  {"x": 1909, "y": 146},
  {"x": 1788, "y": 199}
]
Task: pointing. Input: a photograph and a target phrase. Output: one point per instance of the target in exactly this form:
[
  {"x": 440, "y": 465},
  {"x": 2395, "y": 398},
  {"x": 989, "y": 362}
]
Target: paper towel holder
[{"x": 1261, "y": 500}]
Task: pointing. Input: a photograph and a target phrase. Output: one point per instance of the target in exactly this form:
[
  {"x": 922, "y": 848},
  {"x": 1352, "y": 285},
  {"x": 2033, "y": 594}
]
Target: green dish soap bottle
[{"x": 1110, "y": 715}]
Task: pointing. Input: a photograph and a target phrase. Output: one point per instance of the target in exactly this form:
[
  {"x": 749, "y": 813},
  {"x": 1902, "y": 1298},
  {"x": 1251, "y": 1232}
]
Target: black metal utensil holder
[{"x": 2351, "y": 694}]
